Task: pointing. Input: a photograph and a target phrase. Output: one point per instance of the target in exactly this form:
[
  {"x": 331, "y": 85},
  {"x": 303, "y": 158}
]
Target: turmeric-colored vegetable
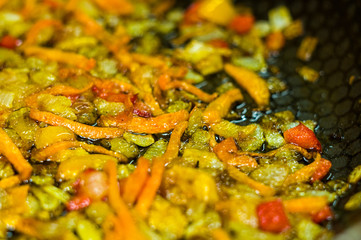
[
  {"x": 9, "y": 182},
  {"x": 175, "y": 141},
  {"x": 305, "y": 204},
  {"x": 227, "y": 152},
  {"x": 160, "y": 124},
  {"x": 49, "y": 151},
  {"x": 51, "y": 54},
  {"x": 14, "y": 156},
  {"x": 34, "y": 31},
  {"x": 119, "y": 7},
  {"x": 217, "y": 11},
  {"x": 304, "y": 174},
  {"x": 219, "y": 108},
  {"x": 243, "y": 178},
  {"x": 251, "y": 82},
  {"x": 125, "y": 218},
  {"x": 151, "y": 186},
  {"x": 165, "y": 84},
  {"x": 135, "y": 182},
  {"x": 78, "y": 128}
]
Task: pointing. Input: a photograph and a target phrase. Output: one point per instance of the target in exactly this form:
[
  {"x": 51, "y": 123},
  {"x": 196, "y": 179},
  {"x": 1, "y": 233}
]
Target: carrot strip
[
  {"x": 323, "y": 167},
  {"x": 304, "y": 174},
  {"x": 124, "y": 216},
  {"x": 175, "y": 142},
  {"x": 34, "y": 31},
  {"x": 78, "y": 128},
  {"x": 10, "y": 182},
  {"x": 243, "y": 178},
  {"x": 275, "y": 41},
  {"x": 119, "y": 7},
  {"x": 49, "y": 151},
  {"x": 227, "y": 152},
  {"x": 14, "y": 156},
  {"x": 160, "y": 124},
  {"x": 219, "y": 108},
  {"x": 32, "y": 100},
  {"x": 251, "y": 82},
  {"x": 153, "y": 104},
  {"x": 165, "y": 84},
  {"x": 155, "y": 62},
  {"x": 136, "y": 181},
  {"x": 94, "y": 29},
  {"x": 305, "y": 204},
  {"x": 60, "y": 56},
  {"x": 150, "y": 189},
  {"x": 114, "y": 85}
]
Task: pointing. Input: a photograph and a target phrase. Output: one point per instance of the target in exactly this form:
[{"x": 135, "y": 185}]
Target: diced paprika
[
  {"x": 272, "y": 217},
  {"x": 10, "y": 42},
  {"x": 303, "y": 136},
  {"x": 191, "y": 14},
  {"x": 78, "y": 203},
  {"x": 242, "y": 24},
  {"x": 324, "y": 214}
]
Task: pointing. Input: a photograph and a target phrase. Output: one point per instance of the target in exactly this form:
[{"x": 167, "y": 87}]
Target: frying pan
[{"x": 334, "y": 101}]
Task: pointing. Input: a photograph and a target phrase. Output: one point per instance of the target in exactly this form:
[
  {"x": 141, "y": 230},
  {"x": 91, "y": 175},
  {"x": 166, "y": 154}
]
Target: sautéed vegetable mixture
[{"x": 108, "y": 133}]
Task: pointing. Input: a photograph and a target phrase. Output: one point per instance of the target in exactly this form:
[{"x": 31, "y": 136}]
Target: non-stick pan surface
[{"x": 334, "y": 101}]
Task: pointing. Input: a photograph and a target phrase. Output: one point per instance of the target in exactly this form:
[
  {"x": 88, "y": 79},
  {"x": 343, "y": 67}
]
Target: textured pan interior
[{"x": 332, "y": 101}]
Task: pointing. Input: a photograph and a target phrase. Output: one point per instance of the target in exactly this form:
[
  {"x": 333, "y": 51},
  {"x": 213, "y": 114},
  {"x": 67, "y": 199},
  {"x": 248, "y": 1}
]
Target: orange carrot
[
  {"x": 251, "y": 82},
  {"x": 153, "y": 61},
  {"x": 322, "y": 169},
  {"x": 3, "y": 2},
  {"x": 60, "y": 56},
  {"x": 275, "y": 41},
  {"x": 160, "y": 124},
  {"x": 32, "y": 100},
  {"x": 114, "y": 85},
  {"x": 135, "y": 182},
  {"x": 175, "y": 141},
  {"x": 304, "y": 174},
  {"x": 34, "y": 31},
  {"x": 119, "y": 7},
  {"x": 10, "y": 182},
  {"x": 305, "y": 204},
  {"x": 94, "y": 29},
  {"x": 124, "y": 216},
  {"x": 49, "y": 151},
  {"x": 14, "y": 156},
  {"x": 78, "y": 128},
  {"x": 241, "y": 177},
  {"x": 219, "y": 108},
  {"x": 150, "y": 189},
  {"x": 152, "y": 103},
  {"x": 205, "y": 97},
  {"x": 228, "y": 153}
]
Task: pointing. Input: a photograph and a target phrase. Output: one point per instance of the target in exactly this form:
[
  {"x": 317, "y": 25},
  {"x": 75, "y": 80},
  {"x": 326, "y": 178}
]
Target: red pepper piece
[
  {"x": 242, "y": 24},
  {"x": 324, "y": 214},
  {"x": 218, "y": 43},
  {"x": 77, "y": 203},
  {"x": 304, "y": 137},
  {"x": 322, "y": 169},
  {"x": 272, "y": 217},
  {"x": 191, "y": 15},
  {"x": 10, "y": 42}
]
